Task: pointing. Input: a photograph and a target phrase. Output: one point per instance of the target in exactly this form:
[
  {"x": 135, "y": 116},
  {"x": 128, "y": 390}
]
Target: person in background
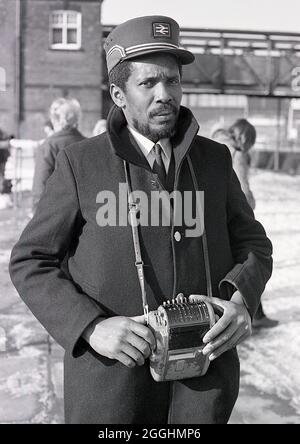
[
  {"x": 100, "y": 127},
  {"x": 48, "y": 128},
  {"x": 240, "y": 137},
  {"x": 48, "y": 131},
  {"x": 64, "y": 116},
  {"x": 5, "y": 184},
  {"x": 4, "y": 155}
]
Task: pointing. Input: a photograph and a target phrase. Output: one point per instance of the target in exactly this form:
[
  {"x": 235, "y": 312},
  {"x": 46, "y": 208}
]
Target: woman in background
[{"x": 64, "y": 116}]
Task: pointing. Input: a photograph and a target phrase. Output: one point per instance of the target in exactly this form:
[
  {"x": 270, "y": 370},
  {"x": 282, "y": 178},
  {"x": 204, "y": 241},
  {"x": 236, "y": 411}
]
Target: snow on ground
[{"x": 270, "y": 359}]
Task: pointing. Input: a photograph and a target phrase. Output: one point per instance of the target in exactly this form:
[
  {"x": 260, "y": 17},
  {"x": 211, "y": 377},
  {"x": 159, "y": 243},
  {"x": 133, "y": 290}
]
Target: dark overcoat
[
  {"x": 45, "y": 158},
  {"x": 101, "y": 278}
]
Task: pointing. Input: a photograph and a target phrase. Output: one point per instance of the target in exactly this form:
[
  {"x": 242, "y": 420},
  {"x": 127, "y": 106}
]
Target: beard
[{"x": 164, "y": 130}]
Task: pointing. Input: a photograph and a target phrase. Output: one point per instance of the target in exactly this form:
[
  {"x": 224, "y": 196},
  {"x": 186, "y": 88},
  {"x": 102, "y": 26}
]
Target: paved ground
[
  {"x": 31, "y": 388},
  {"x": 270, "y": 359},
  {"x": 31, "y": 364}
]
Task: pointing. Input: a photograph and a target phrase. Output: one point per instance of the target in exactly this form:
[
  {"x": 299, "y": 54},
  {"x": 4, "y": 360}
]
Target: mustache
[{"x": 164, "y": 108}]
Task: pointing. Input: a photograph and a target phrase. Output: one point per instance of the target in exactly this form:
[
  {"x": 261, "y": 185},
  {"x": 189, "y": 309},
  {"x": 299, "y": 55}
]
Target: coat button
[{"x": 177, "y": 236}]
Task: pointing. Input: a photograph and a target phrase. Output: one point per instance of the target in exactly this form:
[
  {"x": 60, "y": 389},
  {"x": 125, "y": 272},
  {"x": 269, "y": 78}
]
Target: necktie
[{"x": 158, "y": 165}]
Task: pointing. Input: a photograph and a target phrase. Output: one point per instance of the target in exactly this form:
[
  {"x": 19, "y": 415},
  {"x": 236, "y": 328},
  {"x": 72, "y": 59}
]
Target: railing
[{"x": 20, "y": 167}]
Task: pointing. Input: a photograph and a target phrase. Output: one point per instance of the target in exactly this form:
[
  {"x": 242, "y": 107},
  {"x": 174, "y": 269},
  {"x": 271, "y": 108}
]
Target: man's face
[{"x": 153, "y": 95}]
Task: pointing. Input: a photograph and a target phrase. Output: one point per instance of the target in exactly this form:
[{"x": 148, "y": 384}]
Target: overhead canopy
[{"x": 241, "y": 62}]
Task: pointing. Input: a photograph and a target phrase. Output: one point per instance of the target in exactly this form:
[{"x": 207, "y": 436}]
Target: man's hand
[
  {"x": 230, "y": 329},
  {"x": 126, "y": 339}
]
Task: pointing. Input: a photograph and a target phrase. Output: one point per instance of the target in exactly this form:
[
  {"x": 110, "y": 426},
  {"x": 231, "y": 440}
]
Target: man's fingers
[
  {"x": 218, "y": 304},
  {"x": 225, "y": 347},
  {"x": 140, "y": 344},
  {"x": 220, "y": 340},
  {"x": 140, "y": 319},
  {"x": 236, "y": 339},
  {"x": 133, "y": 353},
  {"x": 232, "y": 335},
  {"x": 144, "y": 332},
  {"x": 217, "y": 329},
  {"x": 126, "y": 360}
]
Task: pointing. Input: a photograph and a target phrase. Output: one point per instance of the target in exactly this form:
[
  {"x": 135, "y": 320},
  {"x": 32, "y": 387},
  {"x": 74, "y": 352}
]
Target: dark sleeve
[
  {"x": 35, "y": 267},
  {"x": 241, "y": 168},
  {"x": 4, "y": 150},
  {"x": 251, "y": 249},
  {"x": 44, "y": 167}
]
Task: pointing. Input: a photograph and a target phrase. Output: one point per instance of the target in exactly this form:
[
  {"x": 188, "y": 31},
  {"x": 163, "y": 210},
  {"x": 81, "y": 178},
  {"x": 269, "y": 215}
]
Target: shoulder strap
[{"x": 133, "y": 210}]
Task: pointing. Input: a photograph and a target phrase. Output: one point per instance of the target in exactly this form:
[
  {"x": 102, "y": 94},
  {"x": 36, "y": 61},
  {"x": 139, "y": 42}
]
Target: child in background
[{"x": 240, "y": 138}]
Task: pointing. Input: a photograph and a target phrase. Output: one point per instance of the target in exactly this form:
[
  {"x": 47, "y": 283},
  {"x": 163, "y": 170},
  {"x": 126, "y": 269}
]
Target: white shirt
[{"x": 146, "y": 146}]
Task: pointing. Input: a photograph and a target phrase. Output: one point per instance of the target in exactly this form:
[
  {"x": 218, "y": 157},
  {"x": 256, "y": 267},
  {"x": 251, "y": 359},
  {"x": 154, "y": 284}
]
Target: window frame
[{"x": 65, "y": 27}]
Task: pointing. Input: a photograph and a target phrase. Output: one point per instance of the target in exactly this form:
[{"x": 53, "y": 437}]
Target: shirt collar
[{"x": 146, "y": 144}]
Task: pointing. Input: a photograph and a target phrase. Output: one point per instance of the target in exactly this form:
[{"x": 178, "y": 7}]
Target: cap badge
[{"x": 161, "y": 30}]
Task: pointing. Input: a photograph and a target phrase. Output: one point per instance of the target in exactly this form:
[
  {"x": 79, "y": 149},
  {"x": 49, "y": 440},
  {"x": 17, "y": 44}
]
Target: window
[{"x": 65, "y": 30}]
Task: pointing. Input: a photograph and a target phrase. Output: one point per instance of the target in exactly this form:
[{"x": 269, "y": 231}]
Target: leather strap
[{"x": 133, "y": 210}]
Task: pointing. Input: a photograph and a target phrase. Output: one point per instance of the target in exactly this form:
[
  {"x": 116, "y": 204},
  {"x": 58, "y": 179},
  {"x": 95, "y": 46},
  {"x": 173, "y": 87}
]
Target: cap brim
[{"x": 186, "y": 57}]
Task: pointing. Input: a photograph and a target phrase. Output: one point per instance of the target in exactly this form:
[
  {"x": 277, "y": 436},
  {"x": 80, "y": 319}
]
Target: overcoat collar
[
  {"x": 65, "y": 132},
  {"x": 123, "y": 144}
]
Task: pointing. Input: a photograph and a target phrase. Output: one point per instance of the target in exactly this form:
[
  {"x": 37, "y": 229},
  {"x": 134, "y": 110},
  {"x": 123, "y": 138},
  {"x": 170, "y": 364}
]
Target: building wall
[
  {"x": 7, "y": 63},
  {"x": 47, "y": 73}
]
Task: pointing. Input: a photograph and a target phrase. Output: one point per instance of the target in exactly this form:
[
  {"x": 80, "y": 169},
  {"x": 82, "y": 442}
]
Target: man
[
  {"x": 64, "y": 116},
  {"x": 94, "y": 308}
]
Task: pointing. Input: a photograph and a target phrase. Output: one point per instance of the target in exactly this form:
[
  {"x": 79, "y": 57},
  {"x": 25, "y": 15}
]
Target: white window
[{"x": 65, "y": 30}]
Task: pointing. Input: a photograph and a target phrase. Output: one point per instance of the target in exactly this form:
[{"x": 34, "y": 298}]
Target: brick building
[{"x": 48, "y": 48}]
